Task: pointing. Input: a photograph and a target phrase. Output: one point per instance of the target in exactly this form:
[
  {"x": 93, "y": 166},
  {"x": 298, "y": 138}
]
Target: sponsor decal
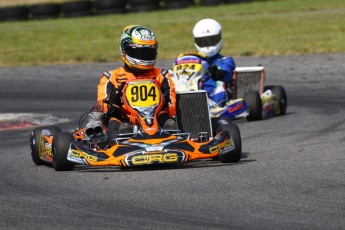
[
  {"x": 120, "y": 80},
  {"x": 107, "y": 74},
  {"x": 220, "y": 146},
  {"x": 159, "y": 158},
  {"x": 76, "y": 153},
  {"x": 144, "y": 34},
  {"x": 154, "y": 158},
  {"x": 44, "y": 147},
  {"x": 236, "y": 107},
  {"x": 179, "y": 62}
]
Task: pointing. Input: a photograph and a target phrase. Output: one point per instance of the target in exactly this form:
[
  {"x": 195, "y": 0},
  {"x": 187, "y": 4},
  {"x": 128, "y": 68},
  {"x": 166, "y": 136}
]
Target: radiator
[{"x": 192, "y": 112}]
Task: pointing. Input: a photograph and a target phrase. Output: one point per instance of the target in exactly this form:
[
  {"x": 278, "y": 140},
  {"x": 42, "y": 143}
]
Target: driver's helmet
[
  {"x": 207, "y": 35},
  {"x": 138, "y": 47}
]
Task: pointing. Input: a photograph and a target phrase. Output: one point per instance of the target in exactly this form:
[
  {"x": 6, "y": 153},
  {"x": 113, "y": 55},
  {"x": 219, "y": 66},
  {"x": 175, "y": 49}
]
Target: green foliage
[{"x": 276, "y": 27}]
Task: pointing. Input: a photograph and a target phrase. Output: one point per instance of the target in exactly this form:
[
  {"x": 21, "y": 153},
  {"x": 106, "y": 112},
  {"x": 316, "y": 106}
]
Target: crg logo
[
  {"x": 76, "y": 153},
  {"x": 220, "y": 146},
  {"x": 155, "y": 158}
]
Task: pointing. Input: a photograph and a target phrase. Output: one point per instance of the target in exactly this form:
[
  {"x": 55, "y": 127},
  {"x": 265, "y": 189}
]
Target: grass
[
  {"x": 5, "y": 3},
  {"x": 276, "y": 27}
]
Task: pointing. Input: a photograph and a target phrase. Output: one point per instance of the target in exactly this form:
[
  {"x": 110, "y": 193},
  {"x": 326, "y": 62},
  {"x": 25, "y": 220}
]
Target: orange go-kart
[{"x": 196, "y": 136}]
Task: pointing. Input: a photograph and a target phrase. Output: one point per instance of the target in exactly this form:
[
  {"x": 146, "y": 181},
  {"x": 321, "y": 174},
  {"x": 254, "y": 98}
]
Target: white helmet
[{"x": 207, "y": 35}]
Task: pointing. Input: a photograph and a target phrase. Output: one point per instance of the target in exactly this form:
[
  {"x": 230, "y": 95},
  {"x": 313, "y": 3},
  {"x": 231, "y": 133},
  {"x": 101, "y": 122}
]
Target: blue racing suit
[{"x": 221, "y": 70}]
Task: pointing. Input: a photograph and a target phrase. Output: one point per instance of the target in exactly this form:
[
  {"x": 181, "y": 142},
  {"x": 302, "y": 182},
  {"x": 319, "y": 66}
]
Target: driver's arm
[
  {"x": 168, "y": 90},
  {"x": 108, "y": 91},
  {"x": 222, "y": 69}
]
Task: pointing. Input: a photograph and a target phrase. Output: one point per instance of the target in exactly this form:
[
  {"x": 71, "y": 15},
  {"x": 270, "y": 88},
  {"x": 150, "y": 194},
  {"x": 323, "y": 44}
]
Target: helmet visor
[
  {"x": 208, "y": 41},
  {"x": 145, "y": 53}
]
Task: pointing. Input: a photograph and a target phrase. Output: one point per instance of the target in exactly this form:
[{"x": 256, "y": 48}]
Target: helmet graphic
[
  {"x": 138, "y": 47},
  {"x": 207, "y": 35}
]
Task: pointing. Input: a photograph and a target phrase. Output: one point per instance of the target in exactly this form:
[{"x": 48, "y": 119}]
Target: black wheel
[
  {"x": 234, "y": 155},
  {"x": 15, "y": 13},
  {"x": 253, "y": 99},
  {"x": 61, "y": 143},
  {"x": 43, "y": 11},
  {"x": 280, "y": 92},
  {"x": 35, "y": 142}
]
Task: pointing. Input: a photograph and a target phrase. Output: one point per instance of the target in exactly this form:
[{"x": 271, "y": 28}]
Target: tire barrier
[
  {"x": 79, "y": 8},
  {"x": 103, "y": 7},
  {"x": 176, "y": 4},
  {"x": 45, "y": 11},
  {"x": 143, "y": 5},
  {"x": 238, "y": 1},
  {"x": 210, "y": 2},
  {"x": 76, "y": 9},
  {"x": 15, "y": 13}
]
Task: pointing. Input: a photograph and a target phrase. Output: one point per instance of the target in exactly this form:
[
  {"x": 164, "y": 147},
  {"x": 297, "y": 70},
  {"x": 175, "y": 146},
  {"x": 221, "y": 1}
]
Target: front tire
[
  {"x": 61, "y": 144},
  {"x": 233, "y": 156},
  {"x": 35, "y": 141},
  {"x": 253, "y": 99},
  {"x": 280, "y": 92}
]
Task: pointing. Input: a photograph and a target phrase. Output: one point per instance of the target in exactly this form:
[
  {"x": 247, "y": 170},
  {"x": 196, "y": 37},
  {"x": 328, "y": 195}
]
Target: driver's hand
[
  {"x": 212, "y": 70},
  {"x": 216, "y": 74}
]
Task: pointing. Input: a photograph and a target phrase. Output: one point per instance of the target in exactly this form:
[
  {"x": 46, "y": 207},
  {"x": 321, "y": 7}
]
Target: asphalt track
[{"x": 291, "y": 175}]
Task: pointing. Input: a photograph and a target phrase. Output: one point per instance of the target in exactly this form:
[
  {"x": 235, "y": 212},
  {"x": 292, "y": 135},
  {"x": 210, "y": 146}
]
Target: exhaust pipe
[
  {"x": 94, "y": 130},
  {"x": 94, "y": 126}
]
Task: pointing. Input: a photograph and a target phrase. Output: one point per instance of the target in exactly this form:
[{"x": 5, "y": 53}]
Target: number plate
[
  {"x": 142, "y": 94},
  {"x": 187, "y": 69}
]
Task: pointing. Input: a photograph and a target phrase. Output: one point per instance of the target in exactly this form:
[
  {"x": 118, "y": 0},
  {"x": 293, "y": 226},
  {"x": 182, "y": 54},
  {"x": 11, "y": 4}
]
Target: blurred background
[{"x": 45, "y": 32}]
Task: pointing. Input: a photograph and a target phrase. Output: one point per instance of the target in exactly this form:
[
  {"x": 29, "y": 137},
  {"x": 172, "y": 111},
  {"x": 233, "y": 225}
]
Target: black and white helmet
[{"x": 207, "y": 35}]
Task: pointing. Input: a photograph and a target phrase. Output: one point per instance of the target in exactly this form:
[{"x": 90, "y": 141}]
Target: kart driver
[
  {"x": 207, "y": 34},
  {"x": 138, "y": 50}
]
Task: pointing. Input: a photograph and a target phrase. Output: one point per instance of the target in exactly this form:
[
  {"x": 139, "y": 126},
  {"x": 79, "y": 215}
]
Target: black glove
[
  {"x": 216, "y": 74},
  {"x": 114, "y": 111},
  {"x": 212, "y": 69},
  {"x": 115, "y": 94}
]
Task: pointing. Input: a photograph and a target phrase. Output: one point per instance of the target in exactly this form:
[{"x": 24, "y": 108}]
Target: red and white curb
[{"x": 13, "y": 121}]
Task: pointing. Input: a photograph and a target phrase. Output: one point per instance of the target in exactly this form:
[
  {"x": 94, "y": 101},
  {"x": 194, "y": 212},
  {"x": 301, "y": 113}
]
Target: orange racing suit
[{"x": 112, "y": 82}]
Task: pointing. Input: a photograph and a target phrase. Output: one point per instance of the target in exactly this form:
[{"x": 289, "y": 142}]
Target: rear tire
[
  {"x": 233, "y": 156},
  {"x": 61, "y": 144},
  {"x": 253, "y": 99},
  {"x": 35, "y": 142},
  {"x": 280, "y": 92}
]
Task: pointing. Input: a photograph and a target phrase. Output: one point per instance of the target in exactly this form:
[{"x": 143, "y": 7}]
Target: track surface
[{"x": 291, "y": 175}]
